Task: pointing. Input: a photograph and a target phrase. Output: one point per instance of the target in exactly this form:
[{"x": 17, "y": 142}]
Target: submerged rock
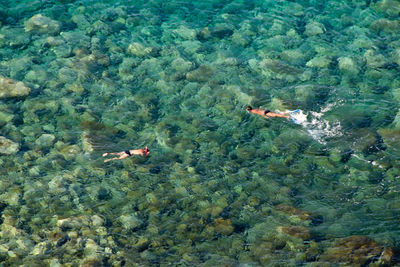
[
  {"x": 97, "y": 221},
  {"x": 69, "y": 151},
  {"x": 41, "y": 24},
  {"x": 91, "y": 248},
  {"x": 296, "y": 231},
  {"x": 355, "y": 251},
  {"x": 39, "y": 249},
  {"x": 10, "y": 88},
  {"x": 181, "y": 65},
  {"x": 347, "y": 66},
  {"x": 319, "y": 62},
  {"x": 314, "y": 28},
  {"x": 139, "y": 50},
  {"x": 7, "y": 146},
  {"x": 303, "y": 215},
  {"x": 142, "y": 243},
  {"x": 389, "y": 7},
  {"x": 222, "y": 30},
  {"x": 279, "y": 67},
  {"x": 5, "y": 118},
  {"x": 293, "y": 56},
  {"x": 385, "y": 25},
  {"x": 56, "y": 186},
  {"x": 223, "y": 226},
  {"x": 129, "y": 221},
  {"x": 185, "y": 33},
  {"x": 204, "y": 34},
  {"x": 202, "y": 74},
  {"x": 373, "y": 59},
  {"x": 45, "y": 140},
  {"x": 14, "y": 37}
]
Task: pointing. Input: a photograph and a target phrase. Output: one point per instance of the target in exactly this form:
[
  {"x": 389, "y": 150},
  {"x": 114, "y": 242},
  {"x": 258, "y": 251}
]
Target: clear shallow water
[{"x": 221, "y": 187}]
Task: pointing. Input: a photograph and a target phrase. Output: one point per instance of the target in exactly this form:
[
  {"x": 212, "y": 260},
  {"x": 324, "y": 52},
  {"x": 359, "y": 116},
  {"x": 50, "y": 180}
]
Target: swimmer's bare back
[
  {"x": 127, "y": 153},
  {"x": 265, "y": 113}
]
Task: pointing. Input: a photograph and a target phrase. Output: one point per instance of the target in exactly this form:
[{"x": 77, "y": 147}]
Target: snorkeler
[
  {"x": 266, "y": 113},
  {"x": 127, "y": 153}
]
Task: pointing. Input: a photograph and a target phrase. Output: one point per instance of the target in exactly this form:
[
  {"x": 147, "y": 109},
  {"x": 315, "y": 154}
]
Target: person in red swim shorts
[
  {"x": 266, "y": 113},
  {"x": 127, "y": 153}
]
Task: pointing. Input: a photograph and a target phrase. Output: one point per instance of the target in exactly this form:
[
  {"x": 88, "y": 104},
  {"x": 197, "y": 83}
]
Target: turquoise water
[{"x": 221, "y": 187}]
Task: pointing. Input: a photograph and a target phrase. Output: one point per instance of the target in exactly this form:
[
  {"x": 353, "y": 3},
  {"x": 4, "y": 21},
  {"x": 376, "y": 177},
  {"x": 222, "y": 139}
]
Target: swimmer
[
  {"x": 266, "y": 113},
  {"x": 127, "y": 153}
]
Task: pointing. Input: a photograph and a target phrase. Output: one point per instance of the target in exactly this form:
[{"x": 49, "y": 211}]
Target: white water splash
[{"x": 318, "y": 127}]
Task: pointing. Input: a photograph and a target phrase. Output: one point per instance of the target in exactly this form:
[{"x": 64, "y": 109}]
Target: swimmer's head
[
  {"x": 248, "y": 108},
  {"x": 146, "y": 151}
]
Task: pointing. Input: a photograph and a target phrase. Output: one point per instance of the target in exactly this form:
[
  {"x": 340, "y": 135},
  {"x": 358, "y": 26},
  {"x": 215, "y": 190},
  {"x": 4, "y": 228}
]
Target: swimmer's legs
[
  {"x": 105, "y": 154},
  {"x": 121, "y": 156},
  {"x": 107, "y": 160}
]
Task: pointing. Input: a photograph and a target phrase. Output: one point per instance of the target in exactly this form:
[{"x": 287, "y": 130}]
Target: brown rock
[
  {"x": 386, "y": 256},
  {"x": 296, "y": 231},
  {"x": 223, "y": 226},
  {"x": 353, "y": 250},
  {"x": 304, "y": 215},
  {"x": 92, "y": 263}
]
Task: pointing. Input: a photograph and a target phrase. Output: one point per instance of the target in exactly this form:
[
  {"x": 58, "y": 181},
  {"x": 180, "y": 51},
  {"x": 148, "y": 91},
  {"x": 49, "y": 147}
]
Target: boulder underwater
[
  {"x": 10, "y": 88},
  {"x": 8, "y": 147}
]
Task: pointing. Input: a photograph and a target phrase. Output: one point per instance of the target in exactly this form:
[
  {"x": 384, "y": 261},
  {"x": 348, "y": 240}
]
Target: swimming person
[
  {"x": 127, "y": 153},
  {"x": 266, "y": 113}
]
